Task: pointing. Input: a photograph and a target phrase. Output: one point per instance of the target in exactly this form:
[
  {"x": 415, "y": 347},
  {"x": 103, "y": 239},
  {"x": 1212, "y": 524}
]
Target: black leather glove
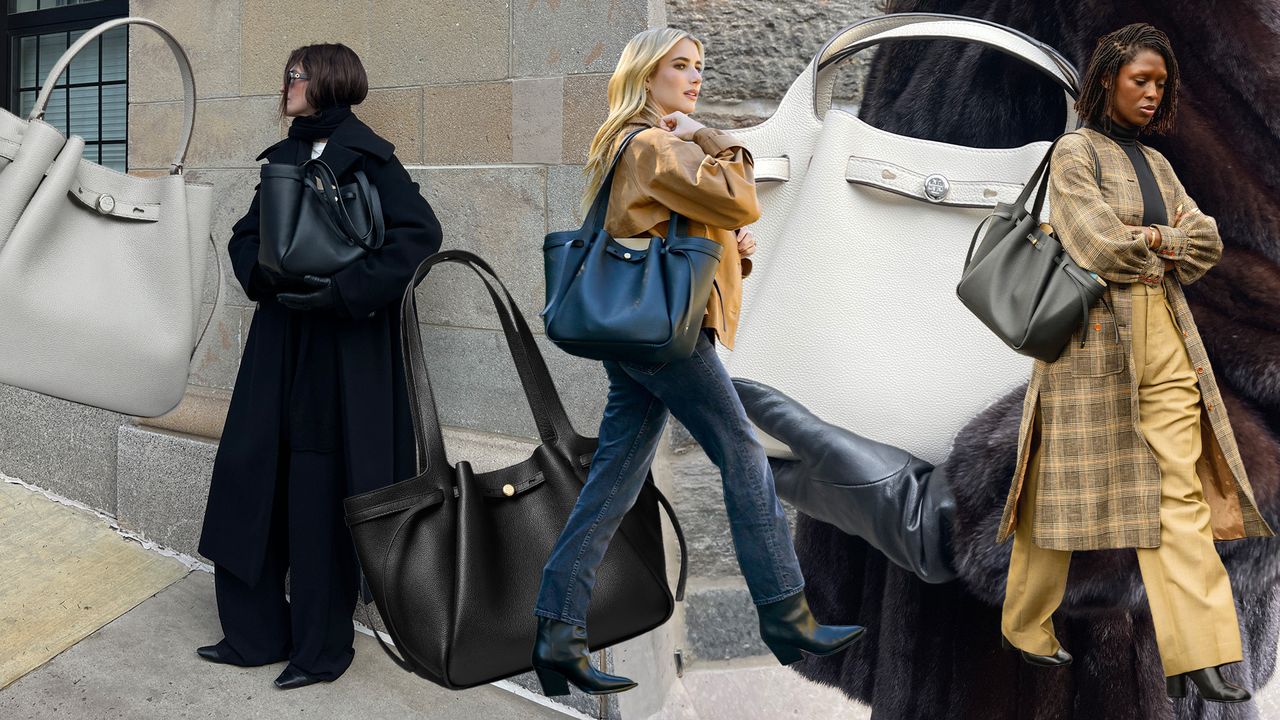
[
  {"x": 323, "y": 295},
  {"x": 898, "y": 503}
]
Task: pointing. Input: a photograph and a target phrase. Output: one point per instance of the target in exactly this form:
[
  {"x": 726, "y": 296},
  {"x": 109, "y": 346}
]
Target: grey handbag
[
  {"x": 102, "y": 274},
  {"x": 1021, "y": 283}
]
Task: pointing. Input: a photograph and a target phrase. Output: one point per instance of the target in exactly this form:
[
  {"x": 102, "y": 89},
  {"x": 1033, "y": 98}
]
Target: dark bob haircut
[
  {"x": 337, "y": 76},
  {"x": 1115, "y": 50}
]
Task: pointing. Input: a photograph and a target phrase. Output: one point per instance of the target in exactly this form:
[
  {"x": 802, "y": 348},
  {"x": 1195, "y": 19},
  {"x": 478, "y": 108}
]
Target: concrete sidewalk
[{"x": 143, "y": 666}]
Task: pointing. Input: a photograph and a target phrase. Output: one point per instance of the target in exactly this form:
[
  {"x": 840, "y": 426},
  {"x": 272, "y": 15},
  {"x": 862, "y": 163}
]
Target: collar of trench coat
[
  {"x": 1098, "y": 483},
  {"x": 710, "y": 181}
]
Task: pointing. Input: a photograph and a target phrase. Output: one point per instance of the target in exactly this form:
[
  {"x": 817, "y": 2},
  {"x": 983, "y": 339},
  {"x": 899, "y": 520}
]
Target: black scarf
[{"x": 310, "y": 128}]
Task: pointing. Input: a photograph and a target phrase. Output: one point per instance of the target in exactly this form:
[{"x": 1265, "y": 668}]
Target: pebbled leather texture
[
  {"x": 898, "y": 503},
  {"x": 606, "y": 301},
  {"x": 99, "y": 303},
  {"x": 306, "y": 230},
  {"x": 454, "y": 558},
  {"x": 852, "y": 307}
]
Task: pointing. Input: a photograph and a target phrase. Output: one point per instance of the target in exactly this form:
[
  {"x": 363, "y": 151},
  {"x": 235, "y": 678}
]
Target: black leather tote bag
[
  {"x": 453, "y": 558},
  {"x": 309, "y": 225},
  {"x": 607, "y": 301},
  {"x": 1021, "y": 283}
]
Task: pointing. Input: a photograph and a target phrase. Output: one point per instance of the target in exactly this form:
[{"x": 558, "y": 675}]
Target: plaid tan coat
[{"x": 1099, "y": 483}]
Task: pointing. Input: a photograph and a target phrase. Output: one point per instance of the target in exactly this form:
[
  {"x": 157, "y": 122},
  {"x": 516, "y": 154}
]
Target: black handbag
[
  {"x": 309, "y": 225},
  {"x": 607, "y": 301},
  {"x": 1021, "y": 283},
  {"x": 454, "y": 558}
]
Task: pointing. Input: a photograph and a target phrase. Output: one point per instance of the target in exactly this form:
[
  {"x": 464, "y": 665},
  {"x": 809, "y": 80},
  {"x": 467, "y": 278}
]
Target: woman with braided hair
[{"x": 1125, "y": 441}]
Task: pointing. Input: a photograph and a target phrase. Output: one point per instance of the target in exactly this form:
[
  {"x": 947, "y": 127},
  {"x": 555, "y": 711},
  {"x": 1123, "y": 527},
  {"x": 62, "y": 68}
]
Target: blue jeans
[{"x": 697, "y": 390}]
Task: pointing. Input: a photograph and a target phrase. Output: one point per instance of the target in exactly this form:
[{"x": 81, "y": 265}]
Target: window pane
[
  {"x": 113, "y": 157},
  {"x": 114, "y": 112},
  {"x": 115, "y": 54},
  {"x": 25, "y": 100},
  {"x": 21, "y": 6},
  {"x": 27, "y": 62},
  {"x": 84, "y": 68},
  {"x": 84, "y": 112},
  {"x": 51, "y": 48}
]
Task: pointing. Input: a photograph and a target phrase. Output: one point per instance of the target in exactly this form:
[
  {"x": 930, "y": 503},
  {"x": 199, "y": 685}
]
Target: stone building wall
[{"x": 491, "y": 106}]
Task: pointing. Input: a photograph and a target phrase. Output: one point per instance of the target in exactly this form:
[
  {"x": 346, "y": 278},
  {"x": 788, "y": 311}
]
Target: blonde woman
[{"x": 674, "y": 164}]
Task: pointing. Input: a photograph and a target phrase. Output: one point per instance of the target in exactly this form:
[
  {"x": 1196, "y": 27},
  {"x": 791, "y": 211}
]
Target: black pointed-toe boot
[
  {"x": 1058, "y": 659},
  {"x": 560, "y": 656},
  {"x": 1212, "y": 686},
  {"x": 292, "y": 678},
  {"x": 788, "y": 628}
]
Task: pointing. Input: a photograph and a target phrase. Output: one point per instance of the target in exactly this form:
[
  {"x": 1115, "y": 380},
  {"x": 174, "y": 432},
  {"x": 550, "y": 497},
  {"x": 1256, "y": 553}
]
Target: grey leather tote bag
[
  {"x": 102, "y": 275},
  {"x": 1021, "y": 283}
]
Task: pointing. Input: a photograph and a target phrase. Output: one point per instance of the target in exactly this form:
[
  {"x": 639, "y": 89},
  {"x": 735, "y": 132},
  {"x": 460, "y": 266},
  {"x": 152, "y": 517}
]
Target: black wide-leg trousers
[{"x": 309, "y": 539}]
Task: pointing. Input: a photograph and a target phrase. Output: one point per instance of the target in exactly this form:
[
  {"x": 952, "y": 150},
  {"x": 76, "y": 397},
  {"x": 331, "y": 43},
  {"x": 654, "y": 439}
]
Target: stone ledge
[{"x": 202, "y": 413}]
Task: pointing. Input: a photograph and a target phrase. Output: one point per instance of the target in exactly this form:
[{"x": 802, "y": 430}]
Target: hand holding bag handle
[{"x": 184, "y": 68}]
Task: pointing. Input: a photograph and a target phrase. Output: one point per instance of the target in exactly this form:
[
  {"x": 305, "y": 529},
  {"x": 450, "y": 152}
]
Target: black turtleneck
[{"x": 1153, "y": 209}]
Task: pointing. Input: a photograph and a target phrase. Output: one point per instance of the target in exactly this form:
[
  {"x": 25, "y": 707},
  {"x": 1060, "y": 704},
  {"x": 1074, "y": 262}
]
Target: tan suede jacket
[{"x": 710, "y": 181}]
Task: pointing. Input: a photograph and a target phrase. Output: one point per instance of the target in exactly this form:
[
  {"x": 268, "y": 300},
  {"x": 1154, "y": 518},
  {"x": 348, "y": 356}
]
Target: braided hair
[{"x": 1115, "y": 50}]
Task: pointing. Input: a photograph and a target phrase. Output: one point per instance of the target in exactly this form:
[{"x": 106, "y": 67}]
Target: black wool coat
[{"x": 321, "y": 380}]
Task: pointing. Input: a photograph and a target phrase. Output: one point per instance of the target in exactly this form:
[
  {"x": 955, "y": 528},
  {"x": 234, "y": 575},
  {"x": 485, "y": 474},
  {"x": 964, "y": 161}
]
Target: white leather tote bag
[
  {"x": 851, "y": 308},
  {"x": 101, "y": 274}
]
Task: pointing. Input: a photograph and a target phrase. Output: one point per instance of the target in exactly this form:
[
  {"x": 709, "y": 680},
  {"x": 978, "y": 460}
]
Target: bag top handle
[
  {"x": 184, "y": 67},
  {"x": 554, "y": 427},
  {"x": 941, "y": 26}
]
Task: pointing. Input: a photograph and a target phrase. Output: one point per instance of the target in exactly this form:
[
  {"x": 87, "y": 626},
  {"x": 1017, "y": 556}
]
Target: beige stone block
[
  {"x": 208, "y": 31},
  {"x": 586, "y": 105},
  {"x": 269, "y": 31},
  {"x": 551, "y": 37},
  {"x": 499, "y": 214},
  {"x": 440, "y": 41},
  {"x": 217, "y": 358},
  {"x": 468, "y": 124},
  {"x": 229, "y": 133},
  {"x": 396, "y": 114},
  {"x": 202, "y": 412},
  {"x": 537, "y": 127}
]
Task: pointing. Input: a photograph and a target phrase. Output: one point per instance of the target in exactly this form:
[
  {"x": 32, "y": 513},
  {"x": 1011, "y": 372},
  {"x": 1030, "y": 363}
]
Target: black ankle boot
[
  {"x": 1058, "y": 659},
  {"x": 788, "y": 627},
  {"x": 1209, "y": 681},
  {"x": 560, "y": 654}
]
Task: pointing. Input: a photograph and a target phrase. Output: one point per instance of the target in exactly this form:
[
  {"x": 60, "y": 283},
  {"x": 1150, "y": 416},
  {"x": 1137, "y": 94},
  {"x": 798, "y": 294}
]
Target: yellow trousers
[{"x": 1192, "y": 608}]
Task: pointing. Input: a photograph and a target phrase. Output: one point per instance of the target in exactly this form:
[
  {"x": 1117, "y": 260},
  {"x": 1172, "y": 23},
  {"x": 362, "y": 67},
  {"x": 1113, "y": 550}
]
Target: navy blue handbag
[{"x": 607, "y": 301}]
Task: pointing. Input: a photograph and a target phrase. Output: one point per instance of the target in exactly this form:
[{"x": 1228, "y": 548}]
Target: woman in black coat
[{"x": 319, "y": 411}]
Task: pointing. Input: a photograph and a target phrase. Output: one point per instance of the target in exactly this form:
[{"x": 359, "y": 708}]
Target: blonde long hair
[{"x": 628, "y": 100}]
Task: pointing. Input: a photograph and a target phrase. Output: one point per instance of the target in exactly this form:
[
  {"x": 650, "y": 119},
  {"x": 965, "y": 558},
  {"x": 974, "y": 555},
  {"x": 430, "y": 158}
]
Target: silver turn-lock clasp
[
  {"x": 936, "y": 188},
  {"x": 105, "y": 204}
]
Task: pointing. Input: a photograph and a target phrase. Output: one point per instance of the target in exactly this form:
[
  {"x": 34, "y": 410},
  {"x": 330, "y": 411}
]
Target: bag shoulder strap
[{"x": 600, "y": 206}]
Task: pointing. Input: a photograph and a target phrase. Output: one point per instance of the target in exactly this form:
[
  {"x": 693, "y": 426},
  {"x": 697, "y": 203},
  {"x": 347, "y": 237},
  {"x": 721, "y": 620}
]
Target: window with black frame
[{"x": 91, "y": 99}]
